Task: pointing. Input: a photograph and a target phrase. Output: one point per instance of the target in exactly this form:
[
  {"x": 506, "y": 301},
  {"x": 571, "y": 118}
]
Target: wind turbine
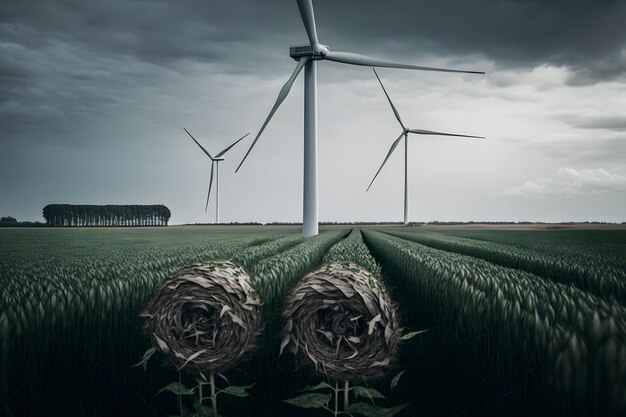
[
  {"x": 307, "y": 57},
  {"x": 405, "y": 134},
  {"x": 215, "y": 163}
]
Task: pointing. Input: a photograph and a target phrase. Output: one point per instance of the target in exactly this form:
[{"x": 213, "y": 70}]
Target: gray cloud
[
  {"x": 609, "y": 122},
  {"x": 587, "y": 36},
  {"x": 569, "y": 181},
  {"x": 579, "y": 147},
  {"x": 54, "y": 43}
]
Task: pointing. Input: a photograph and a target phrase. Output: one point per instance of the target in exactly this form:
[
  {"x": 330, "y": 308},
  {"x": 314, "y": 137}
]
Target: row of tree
[{"x": 107, "y": 215}]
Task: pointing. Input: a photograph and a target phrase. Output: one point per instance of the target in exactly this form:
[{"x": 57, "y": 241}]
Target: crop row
[
  {"x": 255, "y": 254},
  {"x": 61, "y": 314},
  {"x": 80, "y": 307},
  {"x": 352, "y": 249},
  {"x": 586, "y": 246},
  {"x": 276, "y": 274},
  {"x": 605, "y": 281},
  {"x": 514, "y": 318},
  {"x": 49, "y": 293}
]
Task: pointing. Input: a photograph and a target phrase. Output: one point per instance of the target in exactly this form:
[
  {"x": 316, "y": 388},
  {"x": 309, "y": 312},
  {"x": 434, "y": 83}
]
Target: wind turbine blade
[
  {"x": 227, "y": 149},
  {"x": 308, "y": 18},
  {"x": 281, "y": 96},
  {"x": 198, "y": 143},
  {"x": 394, "y": 145},
  {"x": 355, "y": 59},
  {"x": 395, "y": 111},
  {"x": 210, "y": 184},
  {"x": 431, "y": 132}
]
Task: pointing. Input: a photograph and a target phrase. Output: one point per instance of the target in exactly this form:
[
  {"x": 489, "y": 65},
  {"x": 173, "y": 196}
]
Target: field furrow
[
  {"x": 352, "y": 249},
  {"x": 534, "y": 329},
  {"x": 563, "y": 346},
  {"x": 249, "y": 257},
  {"x": 273, "y": 277},
  {"x": 605, "y": 280}
]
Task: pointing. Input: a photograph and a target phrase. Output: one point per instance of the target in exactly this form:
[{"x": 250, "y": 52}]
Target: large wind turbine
[
  {"x": 215, "y": 164},
  {"x": 405, "y": 135},
  {"x": 307, "y": 57}
]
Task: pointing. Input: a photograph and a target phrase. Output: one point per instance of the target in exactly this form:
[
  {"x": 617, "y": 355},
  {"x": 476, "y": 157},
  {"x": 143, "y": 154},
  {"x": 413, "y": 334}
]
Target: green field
[{"x": 523, "y": 322}]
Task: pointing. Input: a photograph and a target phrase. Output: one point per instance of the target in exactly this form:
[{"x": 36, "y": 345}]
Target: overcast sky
[{"x": 94, "y": 96}]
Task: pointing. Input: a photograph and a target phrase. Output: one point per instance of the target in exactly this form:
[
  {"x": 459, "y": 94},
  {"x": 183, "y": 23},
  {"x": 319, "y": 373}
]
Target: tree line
[{"x": 106, "y": 215}]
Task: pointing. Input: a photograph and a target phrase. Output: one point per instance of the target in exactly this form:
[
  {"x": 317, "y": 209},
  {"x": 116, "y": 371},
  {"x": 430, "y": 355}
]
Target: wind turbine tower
[
  {"x": 215, "y": 166},
  {"x": 405, "y": 135},
  {"x": 307, "y": 57}
]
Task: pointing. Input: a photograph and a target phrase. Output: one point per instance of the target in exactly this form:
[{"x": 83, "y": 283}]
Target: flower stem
[
  {"x": 346, "y": 400},
  {"x": 180, "y": 398},
  {"x": 213, "y": 397}
]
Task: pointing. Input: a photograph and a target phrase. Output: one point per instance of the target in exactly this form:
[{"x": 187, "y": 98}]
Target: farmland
[{"x": 519, "y": 322}]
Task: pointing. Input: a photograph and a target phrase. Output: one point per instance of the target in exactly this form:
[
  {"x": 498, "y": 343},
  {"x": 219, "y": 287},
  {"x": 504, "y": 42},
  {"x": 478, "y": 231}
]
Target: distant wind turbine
[
  {"x": 307, "y": 57},
  {"x": 215, "y": 163},
  {"x": 405, "y": 134}
]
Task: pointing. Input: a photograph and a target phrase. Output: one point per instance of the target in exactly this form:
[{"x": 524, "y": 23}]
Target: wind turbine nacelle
[{"x": 316, "y": 51}]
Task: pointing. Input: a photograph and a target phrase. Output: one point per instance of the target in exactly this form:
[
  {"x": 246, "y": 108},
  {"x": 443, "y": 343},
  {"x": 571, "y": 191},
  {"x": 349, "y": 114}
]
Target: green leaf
[
  {"x": 311, "y": 400},
  {"x": 319, "y": 386},
  {"x": 146, "y": 357},
  {"x": 366, "y": 393},
  {"x": 396, "y": 379},
  {"x": 236, "y": 391},
  {"x": 411, "y": 335},
  {"x": 176, "y": 388},
  {"x": 373, "y": 411}
]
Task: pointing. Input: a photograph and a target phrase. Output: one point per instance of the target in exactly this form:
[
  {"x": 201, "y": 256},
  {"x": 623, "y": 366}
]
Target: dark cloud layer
[
  {"x": 60, "y": 57},
  {"x": 588, "y": 36}
]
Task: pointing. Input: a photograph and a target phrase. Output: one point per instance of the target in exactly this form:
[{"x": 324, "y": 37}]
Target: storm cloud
[{"x": 59, "y": 57}]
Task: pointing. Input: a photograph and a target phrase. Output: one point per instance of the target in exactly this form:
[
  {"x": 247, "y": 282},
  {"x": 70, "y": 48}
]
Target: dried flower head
[
  {"x": 341, "y": 319},
  {"x": 206, "y": 317}
]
